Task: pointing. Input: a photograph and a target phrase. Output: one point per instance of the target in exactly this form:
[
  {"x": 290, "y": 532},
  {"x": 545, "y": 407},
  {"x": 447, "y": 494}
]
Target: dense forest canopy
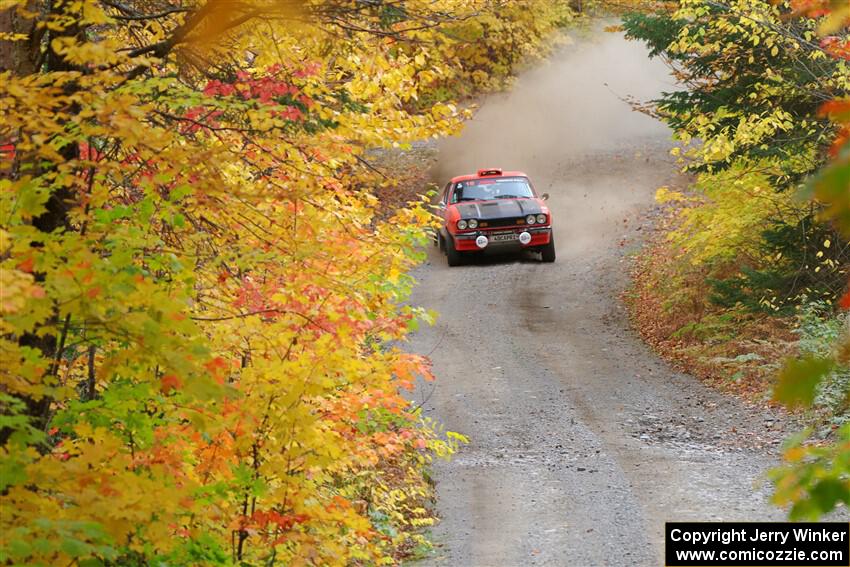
[{"x": 199, "y": 303}]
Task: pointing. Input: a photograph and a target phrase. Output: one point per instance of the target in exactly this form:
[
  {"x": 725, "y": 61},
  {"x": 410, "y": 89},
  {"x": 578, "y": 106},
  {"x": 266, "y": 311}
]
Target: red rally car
[{"x": 494, "y": 209}]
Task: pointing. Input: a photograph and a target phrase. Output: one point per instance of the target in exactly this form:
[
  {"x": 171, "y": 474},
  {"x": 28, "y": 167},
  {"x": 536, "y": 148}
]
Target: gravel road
[{"x": 583, "y": 442}]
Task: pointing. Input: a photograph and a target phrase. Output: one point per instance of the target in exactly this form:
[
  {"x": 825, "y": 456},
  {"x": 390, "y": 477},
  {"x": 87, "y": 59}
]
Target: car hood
[{"x": 502, "y": 208}]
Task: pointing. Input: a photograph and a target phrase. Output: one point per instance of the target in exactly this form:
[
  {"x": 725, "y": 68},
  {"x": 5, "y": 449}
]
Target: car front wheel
[
  {"x": 455, "y": 258},
  {"x": 547, "y": 253}
]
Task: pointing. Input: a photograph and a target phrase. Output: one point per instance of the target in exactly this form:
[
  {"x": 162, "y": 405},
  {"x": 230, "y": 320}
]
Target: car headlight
[
  {"x": 541, "y": 219},
  {"x": 530, "y": 219},
  {"x": 461, "y": 224},
  {"x": 472, "y": 223}
]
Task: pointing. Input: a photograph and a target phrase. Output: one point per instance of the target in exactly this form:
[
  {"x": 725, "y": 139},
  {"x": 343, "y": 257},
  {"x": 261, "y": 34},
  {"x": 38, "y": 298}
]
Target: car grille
[{"x": 496, "y": 223}]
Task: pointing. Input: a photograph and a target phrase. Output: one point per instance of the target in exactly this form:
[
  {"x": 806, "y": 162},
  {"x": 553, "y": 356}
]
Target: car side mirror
[
  {"x": 441, "y": 205},
  {"x": 545, "y": 196}
]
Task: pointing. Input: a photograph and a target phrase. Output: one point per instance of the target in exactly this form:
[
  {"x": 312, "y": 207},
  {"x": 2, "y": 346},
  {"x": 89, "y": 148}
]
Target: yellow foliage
[
  {"x": 201, "y": 313},
  {"x": 731, "y": 210}
]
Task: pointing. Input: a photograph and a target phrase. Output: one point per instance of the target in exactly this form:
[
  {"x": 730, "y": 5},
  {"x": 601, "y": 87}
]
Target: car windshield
[{"x": 489, "y": 189}]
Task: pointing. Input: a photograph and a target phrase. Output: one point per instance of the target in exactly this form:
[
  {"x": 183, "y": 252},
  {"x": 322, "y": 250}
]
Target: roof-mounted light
[{"x": 489, "y": 172}]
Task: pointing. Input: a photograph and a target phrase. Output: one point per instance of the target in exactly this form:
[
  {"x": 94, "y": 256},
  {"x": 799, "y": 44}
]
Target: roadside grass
[
  {"x": 733, "y": 349},
  {"x": 730, "y": 348}
]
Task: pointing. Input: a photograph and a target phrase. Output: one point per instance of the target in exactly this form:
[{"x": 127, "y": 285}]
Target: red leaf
[
  {"x": 844, "y": 302},
  {"x": 811, "y": 8},
  {"x": 835, "y": 108},
  {"x": 26, "y": 265},
  {"x": 169, "y": 382}
]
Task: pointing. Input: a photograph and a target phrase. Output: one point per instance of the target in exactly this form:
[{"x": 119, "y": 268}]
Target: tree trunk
[
  {"x": 23, "y": 58},
  {"x": 19, "y": 57}
]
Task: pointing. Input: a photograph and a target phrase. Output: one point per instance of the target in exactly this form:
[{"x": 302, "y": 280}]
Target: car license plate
[{"x": 504, "y": 237}]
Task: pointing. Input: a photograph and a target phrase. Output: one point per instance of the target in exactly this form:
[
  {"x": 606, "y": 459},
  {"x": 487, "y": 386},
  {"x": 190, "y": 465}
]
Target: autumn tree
[
  {"x": 815, "y": 476},
  {"x": 750, "y": 119},
  {"x": 762, "y": 117},
  {"x": 201, "y": 316}
]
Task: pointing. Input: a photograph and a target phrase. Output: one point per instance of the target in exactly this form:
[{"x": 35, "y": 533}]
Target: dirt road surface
[{"x": 582, "y": 441}]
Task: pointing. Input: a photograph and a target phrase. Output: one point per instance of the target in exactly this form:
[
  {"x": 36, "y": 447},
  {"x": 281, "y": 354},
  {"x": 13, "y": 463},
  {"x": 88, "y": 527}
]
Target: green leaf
[
  {"x": 74, "y": 548},
  {"x": 803, "y": 510},
  {"x": 799, "y": 379},
  {"x": 11, "y": 473},
  {"x": 830, "y": 491},
  {"x": 31, "y": 195},
  {"x": 830, "y": 186},
  {"x": 179, "y": 192},
  {"x": 19, "y": 548}
]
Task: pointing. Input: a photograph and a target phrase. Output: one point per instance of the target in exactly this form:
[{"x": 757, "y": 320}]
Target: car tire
[
  {"x": 455, "y": 258},
  {"x": 547, "y": 253}
]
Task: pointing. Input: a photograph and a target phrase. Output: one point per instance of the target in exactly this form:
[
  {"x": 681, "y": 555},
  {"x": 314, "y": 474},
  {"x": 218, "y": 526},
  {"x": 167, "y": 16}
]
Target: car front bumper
[{"x": 466, "y": 242}]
